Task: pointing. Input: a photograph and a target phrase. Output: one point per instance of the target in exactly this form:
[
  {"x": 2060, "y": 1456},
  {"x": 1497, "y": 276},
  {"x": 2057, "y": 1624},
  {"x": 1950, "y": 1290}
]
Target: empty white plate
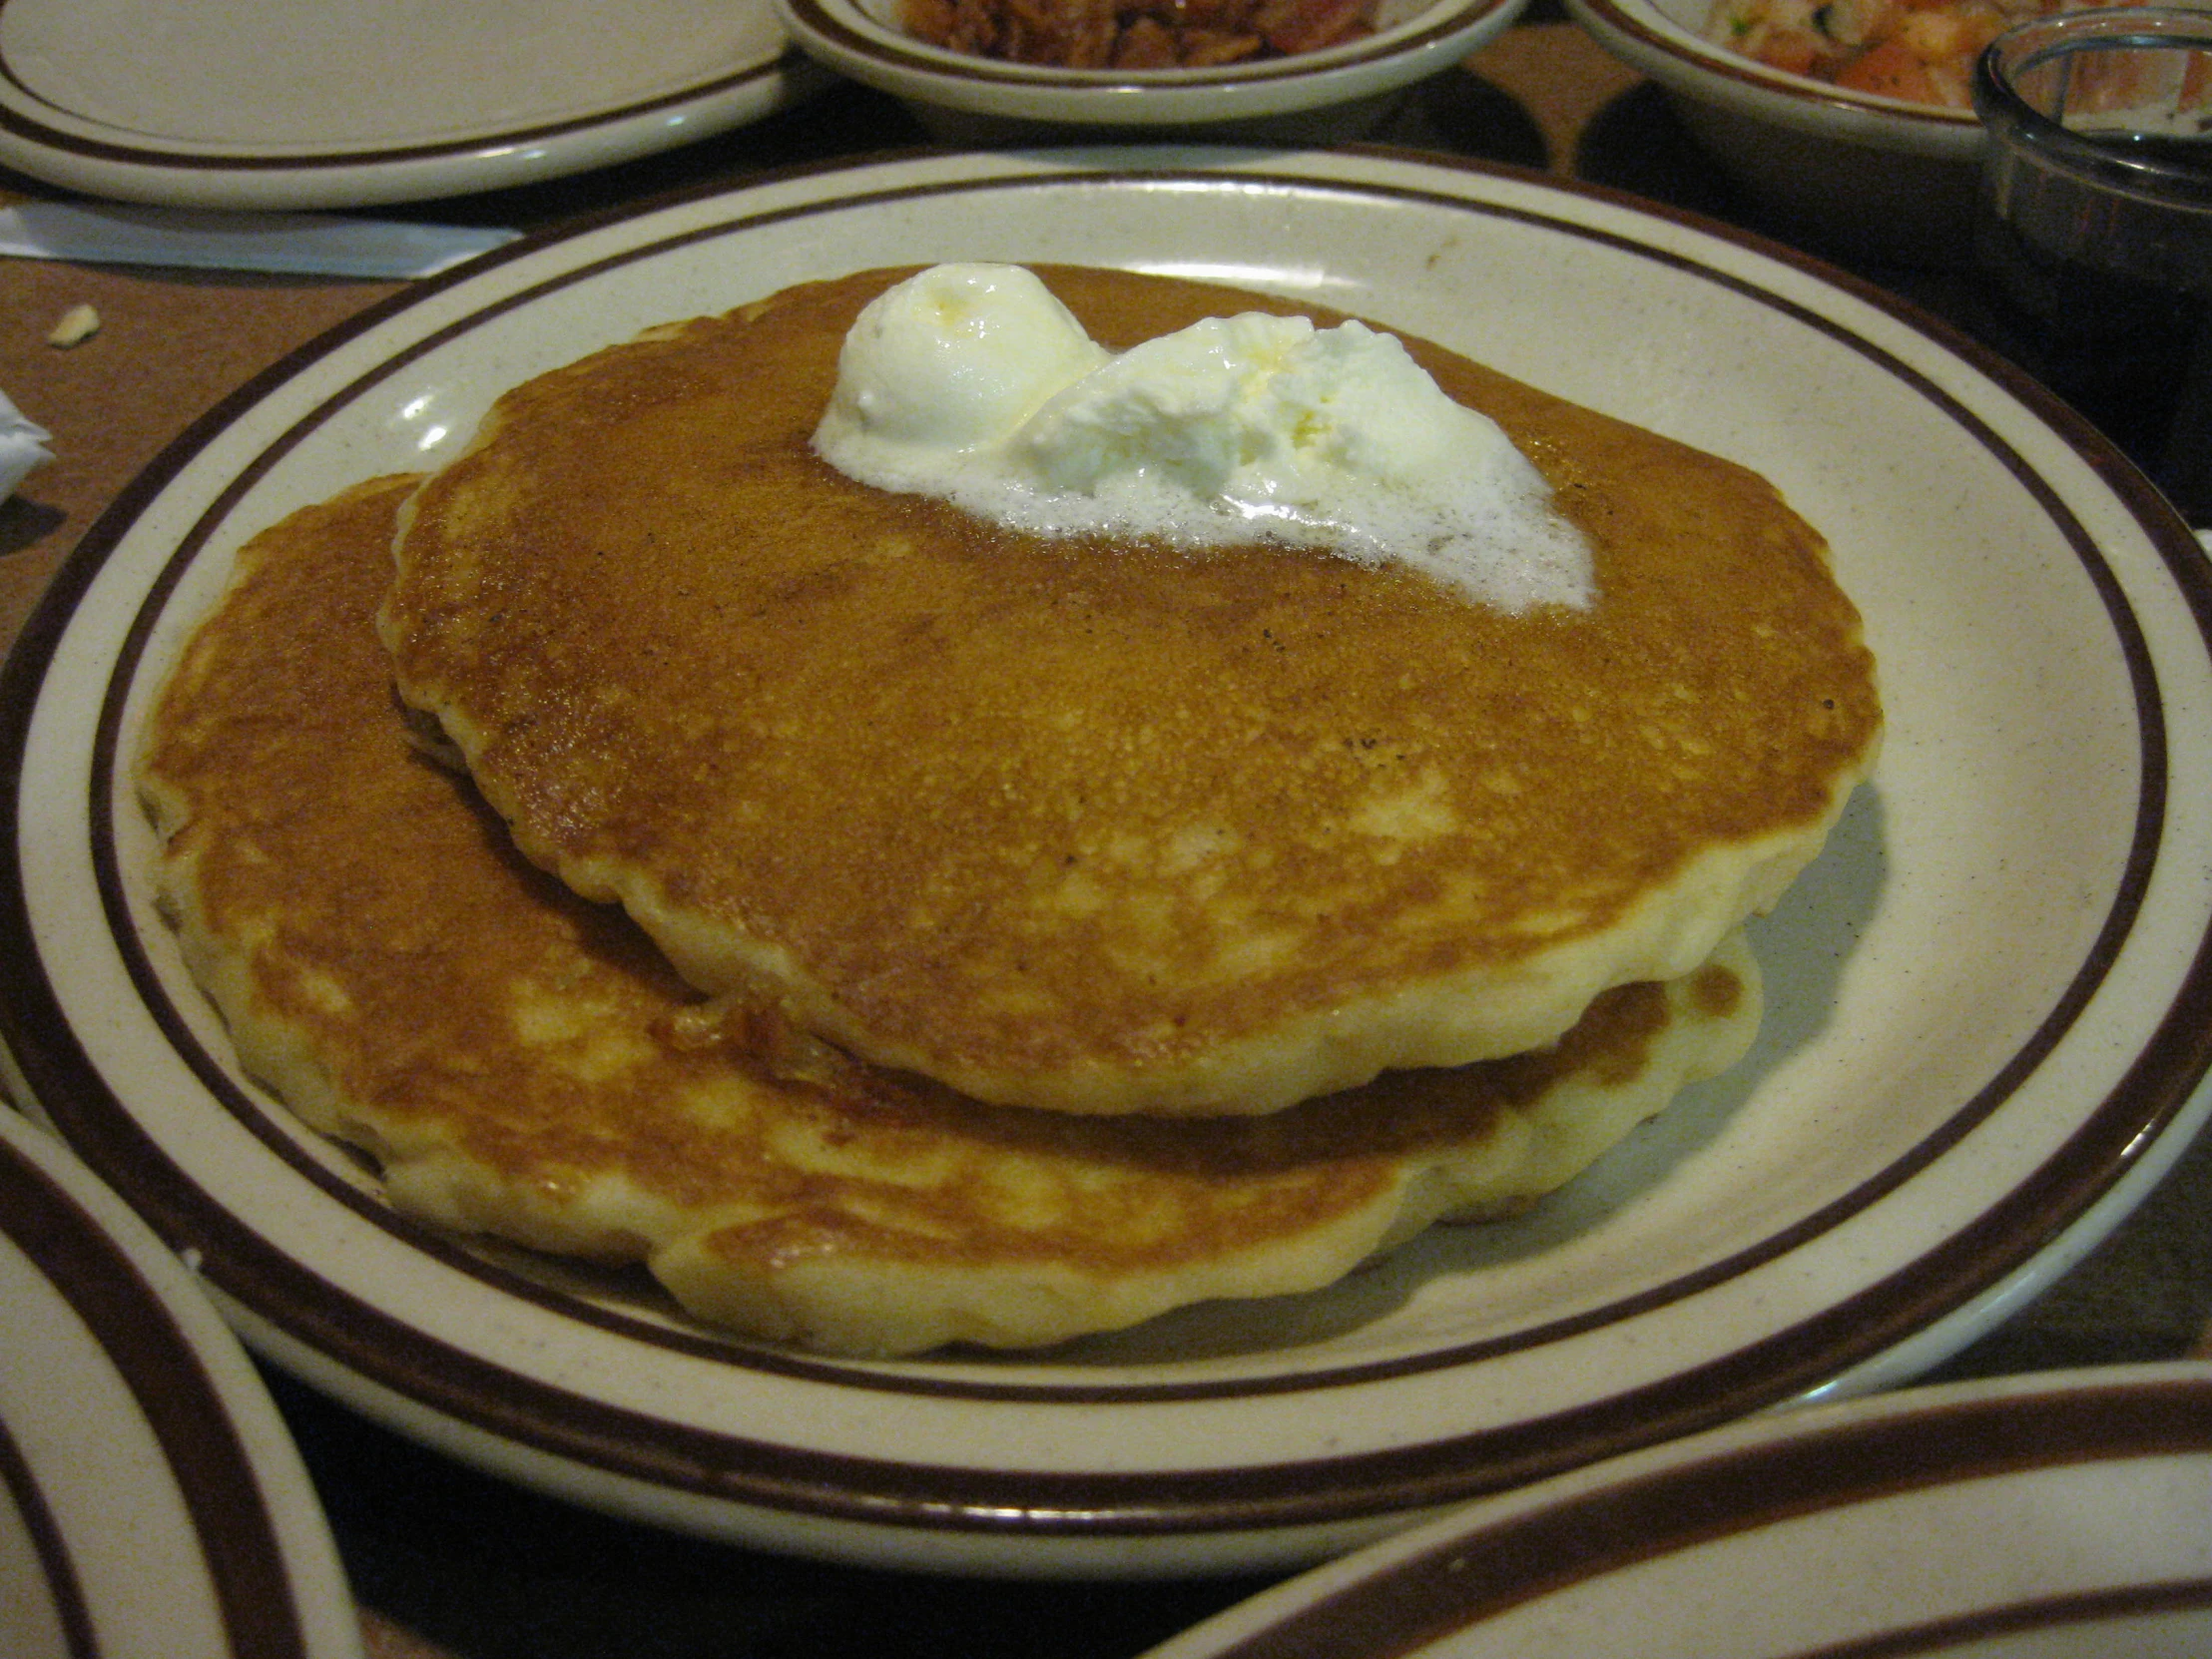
[{"x": 347, "y": 103}]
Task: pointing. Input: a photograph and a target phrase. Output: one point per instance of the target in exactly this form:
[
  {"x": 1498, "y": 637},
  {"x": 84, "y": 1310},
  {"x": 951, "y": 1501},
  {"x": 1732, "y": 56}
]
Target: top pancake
[{"x": 1101, "y": 826}]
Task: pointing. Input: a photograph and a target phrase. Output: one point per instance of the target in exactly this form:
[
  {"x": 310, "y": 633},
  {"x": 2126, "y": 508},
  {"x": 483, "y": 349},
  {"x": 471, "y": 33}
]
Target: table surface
[{"x": 448, "y": 1564}]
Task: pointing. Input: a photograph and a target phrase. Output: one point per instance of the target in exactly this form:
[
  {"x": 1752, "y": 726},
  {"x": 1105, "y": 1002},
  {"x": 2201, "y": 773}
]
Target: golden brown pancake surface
[
  {"x": 1104, "y": 826},
  {"x": 522, "y": 1062}
]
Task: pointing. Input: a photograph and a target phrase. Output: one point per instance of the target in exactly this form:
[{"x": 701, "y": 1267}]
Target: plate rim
[
  {"x": 1140, "y": 1515},
  {"x": 1424, "y": 1588},
  {"x": 105, "y": 160},
  {"x": 272, "y": 1566}
]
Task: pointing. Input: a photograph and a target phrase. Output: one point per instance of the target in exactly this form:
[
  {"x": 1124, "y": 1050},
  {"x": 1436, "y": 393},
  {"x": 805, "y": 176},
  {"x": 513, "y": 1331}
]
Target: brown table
[{"x": 446, "y": 1562}]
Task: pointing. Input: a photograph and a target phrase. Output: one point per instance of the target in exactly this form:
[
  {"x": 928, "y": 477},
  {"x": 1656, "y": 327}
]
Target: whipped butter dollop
[{"x": 975, "y": 384}]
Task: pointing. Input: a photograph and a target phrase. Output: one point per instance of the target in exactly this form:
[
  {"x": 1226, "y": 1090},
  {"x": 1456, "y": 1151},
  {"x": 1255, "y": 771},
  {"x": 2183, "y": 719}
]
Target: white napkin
[
  {"x": 292, "y": 244},
  {"x": 22, "y": 446}
]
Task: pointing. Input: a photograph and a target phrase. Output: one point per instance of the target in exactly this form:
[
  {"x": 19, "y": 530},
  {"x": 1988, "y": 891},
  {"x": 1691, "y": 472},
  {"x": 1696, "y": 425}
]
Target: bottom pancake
[{"x": 522, "y": 1064}]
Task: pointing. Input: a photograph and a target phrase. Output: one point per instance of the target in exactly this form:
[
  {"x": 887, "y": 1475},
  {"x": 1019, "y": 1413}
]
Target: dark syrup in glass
[{"x": 2134, "y": 357}]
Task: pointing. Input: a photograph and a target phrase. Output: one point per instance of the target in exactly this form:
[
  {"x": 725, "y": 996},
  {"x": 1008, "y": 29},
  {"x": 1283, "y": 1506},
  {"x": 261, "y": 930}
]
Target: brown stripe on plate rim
[
  {"x": 518, "y": 1408},
  {"x": 1486, "y": 1570},
  {"x": 49, "y": 1547},
  {"x": 180, "y": 1403},
  {"x": 2045, "y": 1613}
]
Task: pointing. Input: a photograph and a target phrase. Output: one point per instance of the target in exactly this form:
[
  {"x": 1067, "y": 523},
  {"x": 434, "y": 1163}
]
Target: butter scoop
[
  {"x": 975, "y": 384},
  {"x": 946, "y": 363}
]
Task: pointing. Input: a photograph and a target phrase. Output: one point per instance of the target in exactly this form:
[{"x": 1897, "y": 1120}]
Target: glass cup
[{"x": 2095, "y": 226}]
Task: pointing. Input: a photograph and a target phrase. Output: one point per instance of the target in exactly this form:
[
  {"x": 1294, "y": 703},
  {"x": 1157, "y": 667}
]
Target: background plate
[
  {"x": 226, "y": 104},
  {"x": 1987, "y": 1012},
  {"x": 2058, "y": 1517},
  {"x": 152, "y": 1505}
]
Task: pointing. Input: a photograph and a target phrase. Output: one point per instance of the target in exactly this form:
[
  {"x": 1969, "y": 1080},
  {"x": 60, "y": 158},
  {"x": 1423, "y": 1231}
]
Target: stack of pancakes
[{"x": 896, "y": 930}]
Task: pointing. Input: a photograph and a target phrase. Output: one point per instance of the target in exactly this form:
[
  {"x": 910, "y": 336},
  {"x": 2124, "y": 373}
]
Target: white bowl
[
  {"x": 1862, "y": 172},
  {"x": 1337, "y": 93}
]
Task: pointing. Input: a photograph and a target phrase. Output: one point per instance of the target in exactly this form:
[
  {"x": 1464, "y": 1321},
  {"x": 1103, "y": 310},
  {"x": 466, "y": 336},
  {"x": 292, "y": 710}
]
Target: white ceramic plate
[
  {"x": 152, "y": 1505},
  {"x": 228, "y": 104},
  {"x": 1988, "y": 1016},
  {"x": 2060, "y": 1516}
]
